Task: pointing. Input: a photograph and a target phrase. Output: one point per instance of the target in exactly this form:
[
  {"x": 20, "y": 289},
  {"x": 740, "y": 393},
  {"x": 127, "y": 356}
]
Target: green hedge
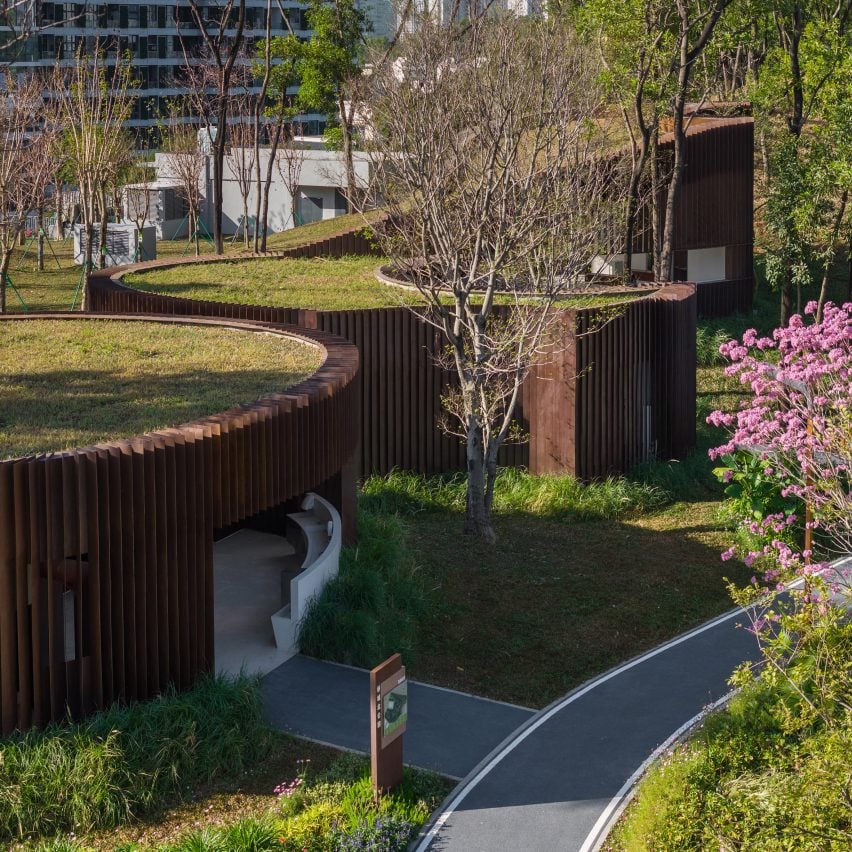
[{"x": 755, "y": 777}]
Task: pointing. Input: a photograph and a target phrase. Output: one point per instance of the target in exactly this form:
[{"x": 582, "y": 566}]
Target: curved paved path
[
  {"x": 559, "y": 781},
  {"x": 556, "y": 781}
]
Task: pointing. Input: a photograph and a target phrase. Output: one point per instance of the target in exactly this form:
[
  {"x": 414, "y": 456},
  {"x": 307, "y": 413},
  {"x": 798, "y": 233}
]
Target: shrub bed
[
  {"x": 330, "y": 810},
  {"x": 751, "y": 780}
]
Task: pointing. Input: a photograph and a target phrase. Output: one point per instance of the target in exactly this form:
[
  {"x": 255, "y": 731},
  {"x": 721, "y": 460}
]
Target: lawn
[
  {"x": 54, "y": 289},
  {"x": 323, "y": 284},
  {"x": 74, "y": 383},
  {"x": 581, "y": 577},
  {"x": 318, "y": 283}
]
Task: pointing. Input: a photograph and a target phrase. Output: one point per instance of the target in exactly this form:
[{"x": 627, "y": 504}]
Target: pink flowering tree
[{"x": 795, "y": 429}]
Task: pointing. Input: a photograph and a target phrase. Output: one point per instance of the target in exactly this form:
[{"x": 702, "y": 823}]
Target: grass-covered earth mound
[
  {"x": 317, "y": 283},
  {"x": 73, "y": 383}
]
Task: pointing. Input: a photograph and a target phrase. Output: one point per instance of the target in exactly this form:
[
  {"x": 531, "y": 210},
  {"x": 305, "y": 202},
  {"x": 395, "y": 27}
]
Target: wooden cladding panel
[
  {"x": 106, "y": 587},
  {"x": 715, "y": 204}
]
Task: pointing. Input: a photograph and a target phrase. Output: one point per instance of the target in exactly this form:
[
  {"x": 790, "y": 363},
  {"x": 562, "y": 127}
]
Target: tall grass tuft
[
  {"x": 371, "y": 609},
  {"x": 516, "y": 491},
  {"x": 128, "y": 761}
]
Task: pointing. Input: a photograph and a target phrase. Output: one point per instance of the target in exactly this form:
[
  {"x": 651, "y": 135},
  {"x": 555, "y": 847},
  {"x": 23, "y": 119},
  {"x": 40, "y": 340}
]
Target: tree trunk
[
  {"x": 59, "y": 231},
  {"x": 633, "y": 203},
  {"x": 245, "y": 223},
  {"x": 40, "y": 241},
  {"x": 826, "y": 272},
  {"x": 4, "y": 269},
  {"x": 478, "y": 515},
  {"x": 102, "y": 250},
  {"x": 263, "y": 218},
  {"x": 193, "y": 223},
  {"x": 849, "y": 269},
  {"x": 87, "y": 261},
  {"x": 667, "y": 247},
  {"x": 655, "y": 204},
  {"x": 218, "y": 166},
  {"x": 786, "y": 294},
  {"x": 346, "y": 126}
]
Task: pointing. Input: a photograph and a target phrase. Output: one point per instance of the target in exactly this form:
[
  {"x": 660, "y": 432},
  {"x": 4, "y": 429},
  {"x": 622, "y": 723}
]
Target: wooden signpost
[{"x": 389, "y": 718}]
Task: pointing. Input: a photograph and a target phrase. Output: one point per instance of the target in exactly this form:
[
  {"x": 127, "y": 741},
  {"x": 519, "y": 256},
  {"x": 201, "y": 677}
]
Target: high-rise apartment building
[{"x": 154, "y": 35}]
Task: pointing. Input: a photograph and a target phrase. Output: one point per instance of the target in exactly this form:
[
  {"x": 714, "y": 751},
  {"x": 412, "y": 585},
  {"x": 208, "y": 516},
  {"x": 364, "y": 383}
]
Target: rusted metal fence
[{"x": 106, "y": 586}]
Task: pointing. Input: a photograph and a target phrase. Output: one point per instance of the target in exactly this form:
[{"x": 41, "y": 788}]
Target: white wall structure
[
  {"x": 321, "y": 530},
  {"x": 121, "y": 245},
  {"x": 321, "y": 181},
  {"x": 705, "y": 264},
  {"x": 614, "y": 265},
  {"x": 166, "y": 211}
]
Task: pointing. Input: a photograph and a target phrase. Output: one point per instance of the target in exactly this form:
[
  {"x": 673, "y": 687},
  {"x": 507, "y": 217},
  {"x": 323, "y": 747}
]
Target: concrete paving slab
[
  {"x": 448, "y": 732},
  {"x": 247, "y": 570}
]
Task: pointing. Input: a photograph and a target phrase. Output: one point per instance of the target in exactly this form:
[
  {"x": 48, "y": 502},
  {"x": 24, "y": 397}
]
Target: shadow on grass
[
  {"x": 61, "y": 409},
  {"x": 554, "y": 603}
]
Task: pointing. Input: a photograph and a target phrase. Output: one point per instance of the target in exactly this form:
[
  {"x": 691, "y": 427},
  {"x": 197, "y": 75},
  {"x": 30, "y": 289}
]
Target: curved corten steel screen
[
  {"x": 625, "y": 391},
  {"x": 106, "y": 586},
  {"x": 715, "y": 209}
]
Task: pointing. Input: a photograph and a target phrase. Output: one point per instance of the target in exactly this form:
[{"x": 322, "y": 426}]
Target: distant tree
[
  {"x": 137, "y": 199},
  {"x": 241, "y": 155},
  {"x": 650, "y": 50},
  {"x": 92, "y": 103},
  {"x": 290, "y": 160},
  {"x": 186, "y": 165},
  {"x": 222, "y": 27},
  {"x": 329, "y": 67},
  {"x": 802, "y": 104},
  {"x": 498, "y": 186},
  {"x": 277, "y": 60},
  {"x": 25, "y": 163}
]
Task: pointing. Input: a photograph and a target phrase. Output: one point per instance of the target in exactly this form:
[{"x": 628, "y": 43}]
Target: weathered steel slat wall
[
  {"x": 400, "y": 381},
  {"x": 623, "y": 393},
  {"x": 714, "y": 209},
  {"x": 106, "y": 552}
]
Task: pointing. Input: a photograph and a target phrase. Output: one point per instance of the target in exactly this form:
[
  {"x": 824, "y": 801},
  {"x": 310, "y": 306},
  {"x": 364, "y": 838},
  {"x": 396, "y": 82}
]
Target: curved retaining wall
[
  {"x": 106, "y": 588},
  {"x": 622, "y": 394}
]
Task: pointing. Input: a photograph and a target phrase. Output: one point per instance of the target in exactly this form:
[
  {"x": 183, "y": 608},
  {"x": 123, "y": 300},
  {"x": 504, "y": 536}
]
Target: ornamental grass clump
[{"x": 128, "y": 761}]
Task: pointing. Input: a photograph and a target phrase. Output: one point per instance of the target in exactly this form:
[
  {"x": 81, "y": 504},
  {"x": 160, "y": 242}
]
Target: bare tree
[
  {"x": 273, "y": 109},
  {"x": 241, "y": 161},
  {"x": 495, "y": 176},
  {"x": 221, "y": 26},
  {"x": 92, "y": 103},
  {"x": 186, "y": 165},
  {"x": 20, "y": 20},
  {"x": 25, "y": 164},
  {"x": 291, "y": 157},
  {"x": 137, "y": 200}
]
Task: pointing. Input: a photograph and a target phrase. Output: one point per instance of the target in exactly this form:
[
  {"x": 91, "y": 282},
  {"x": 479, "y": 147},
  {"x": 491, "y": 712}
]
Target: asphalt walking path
[
  {"x": 448, "y": 732},
  {"x": 548, "y": 780},
  {"x": 559, "y": 782}
]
